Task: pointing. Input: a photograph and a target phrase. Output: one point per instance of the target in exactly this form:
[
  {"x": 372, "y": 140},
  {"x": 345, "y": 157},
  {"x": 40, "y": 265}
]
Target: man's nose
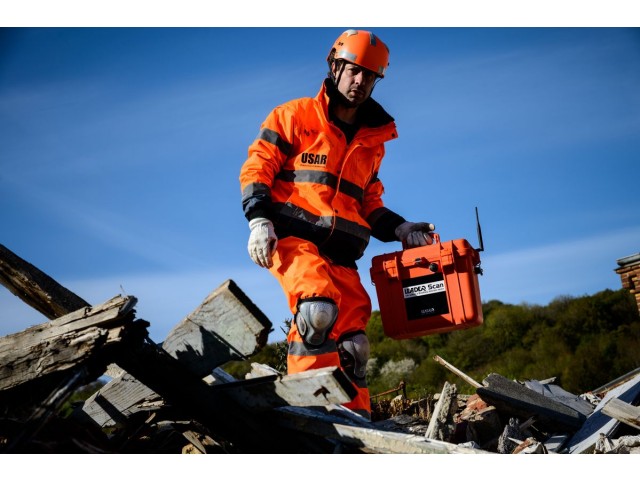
[{"x": 361, "y": 78}]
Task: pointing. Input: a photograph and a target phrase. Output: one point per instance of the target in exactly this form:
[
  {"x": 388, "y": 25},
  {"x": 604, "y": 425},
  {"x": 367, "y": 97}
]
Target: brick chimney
[{"x": 629, "y": 271}]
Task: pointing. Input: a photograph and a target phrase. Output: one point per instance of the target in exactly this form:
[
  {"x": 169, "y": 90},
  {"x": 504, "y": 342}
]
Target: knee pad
[
  {"x": 315, "y": 318},
  {"x": 354, "y": 354}
]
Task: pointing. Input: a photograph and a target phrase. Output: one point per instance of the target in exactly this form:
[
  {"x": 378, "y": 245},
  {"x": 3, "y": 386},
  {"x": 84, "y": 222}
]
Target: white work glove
[
  {"x": 415, "y": 234},
  {"x": 262, "y": 241}
]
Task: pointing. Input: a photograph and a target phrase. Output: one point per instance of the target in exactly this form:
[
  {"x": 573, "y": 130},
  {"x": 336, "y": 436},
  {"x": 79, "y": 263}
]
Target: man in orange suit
[{"x": 312, "y": 196}]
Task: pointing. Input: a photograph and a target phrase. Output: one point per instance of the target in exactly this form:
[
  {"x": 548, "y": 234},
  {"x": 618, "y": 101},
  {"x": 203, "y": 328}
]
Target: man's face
[{"x": 355, "y": 82}]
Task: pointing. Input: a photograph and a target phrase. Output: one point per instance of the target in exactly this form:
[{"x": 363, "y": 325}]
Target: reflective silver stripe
[
  {"x": 299, "y": 349},
  {"x": 310, "y": 176},
  {"x": 346, "y": 55},
  {"x": 274, "y": 138},
  {"x": 344, "y": 225},
  {"x": 256, "y": 188},
  {"x": 292, "y": 211},
  {"x": 322, "y": 178}
]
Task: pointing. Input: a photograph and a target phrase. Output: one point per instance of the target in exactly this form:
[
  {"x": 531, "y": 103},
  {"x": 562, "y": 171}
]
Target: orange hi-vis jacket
[{"x": 303, "y": 175}]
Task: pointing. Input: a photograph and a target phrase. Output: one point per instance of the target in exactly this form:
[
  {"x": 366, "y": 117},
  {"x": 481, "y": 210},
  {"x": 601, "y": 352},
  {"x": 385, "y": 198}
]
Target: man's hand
[
  {"x": 415, "y": 234},
  {"x": 262, "y": 242}
]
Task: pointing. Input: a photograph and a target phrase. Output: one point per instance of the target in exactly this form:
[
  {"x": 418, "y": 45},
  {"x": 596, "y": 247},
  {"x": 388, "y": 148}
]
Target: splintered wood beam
[
  {"x": 63, "y": 343},
  {"x": 623, "y": 412},
  {"x": 323, "y": 386},
  {"x": 41, "y": 366},
  {"x": 367, "y": 439},
  {"x": 36, "y": 288},
  {"x": 119, "y": 399},
  {"x": 116, "y": 401},
  {"x": 458, "y": 372},
  {"x": 190, "y": 395},
  {"x": 442, "y": 426},
  {"x": 226, "y": 326},
  {"x": 261, "y": 370}
]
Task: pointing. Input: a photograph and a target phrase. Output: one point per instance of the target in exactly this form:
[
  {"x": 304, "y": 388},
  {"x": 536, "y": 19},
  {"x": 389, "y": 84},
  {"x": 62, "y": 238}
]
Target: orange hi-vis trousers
[{"x": 303, "y": 273}]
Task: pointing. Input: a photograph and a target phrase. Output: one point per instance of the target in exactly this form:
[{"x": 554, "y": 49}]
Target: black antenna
[{"x": 481, "y": 249}]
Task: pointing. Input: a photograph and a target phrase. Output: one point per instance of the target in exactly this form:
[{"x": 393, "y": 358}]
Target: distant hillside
[{"x": 584, "y": 342}]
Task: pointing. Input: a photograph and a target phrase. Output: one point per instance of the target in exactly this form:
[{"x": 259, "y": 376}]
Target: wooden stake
[{"x": 453, "y": 369}]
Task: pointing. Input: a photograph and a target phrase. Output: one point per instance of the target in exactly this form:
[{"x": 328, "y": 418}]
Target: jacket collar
[{"x": 370, "y": 113}]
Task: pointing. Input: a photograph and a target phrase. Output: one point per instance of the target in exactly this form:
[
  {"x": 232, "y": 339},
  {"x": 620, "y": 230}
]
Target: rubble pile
[
  {"x": 509, "y": 417},
  {"x": 174, "y": 397}
]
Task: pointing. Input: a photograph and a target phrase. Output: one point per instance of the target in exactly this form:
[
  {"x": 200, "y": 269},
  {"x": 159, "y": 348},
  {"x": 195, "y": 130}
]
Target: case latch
[{"x": 390, "y": 268}]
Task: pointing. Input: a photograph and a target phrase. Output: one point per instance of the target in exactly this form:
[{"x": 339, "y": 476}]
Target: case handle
[{"x": 435, "y": 236}]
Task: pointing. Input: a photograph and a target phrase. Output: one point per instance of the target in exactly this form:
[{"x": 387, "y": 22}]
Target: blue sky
[{"x": 120, "y": 150}]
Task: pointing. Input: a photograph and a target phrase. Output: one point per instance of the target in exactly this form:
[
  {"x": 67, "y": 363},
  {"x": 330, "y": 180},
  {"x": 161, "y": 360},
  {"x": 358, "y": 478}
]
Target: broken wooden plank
[
  {"x": 515, "y": 399},
  {"x": 584, "y": 440},
  {"x": 62, "y": 343},
  {"x": 261, "y": 370},
  {"x": 458, "y": 372},
  {"x": 366, "y": 439},
  {"x": 35, "y": 287},
  {"x": 327, "y": 386},
  {"x": 191, "y": 397},
  {"x": 45, "y": 364},
  {"x": 81, "y": 364},
  {"x": 226, "y": 326},
  {"x": 441, "y": 425},
  {"x": 323, "y": 386},
  {"x": 114, "y": 403},
  {"x": 623, "y": 412}
]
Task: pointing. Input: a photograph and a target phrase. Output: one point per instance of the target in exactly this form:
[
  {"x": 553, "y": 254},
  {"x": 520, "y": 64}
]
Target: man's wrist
[{"x": 254, "y": 222}]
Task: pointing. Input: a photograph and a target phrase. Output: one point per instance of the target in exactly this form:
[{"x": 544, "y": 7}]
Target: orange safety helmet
[{"x": 362, "y": 48}]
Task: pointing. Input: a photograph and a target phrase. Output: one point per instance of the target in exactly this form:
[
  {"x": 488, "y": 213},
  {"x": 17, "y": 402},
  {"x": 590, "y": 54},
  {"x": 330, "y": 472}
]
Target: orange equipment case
[{"x": 428, "y": 290}]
